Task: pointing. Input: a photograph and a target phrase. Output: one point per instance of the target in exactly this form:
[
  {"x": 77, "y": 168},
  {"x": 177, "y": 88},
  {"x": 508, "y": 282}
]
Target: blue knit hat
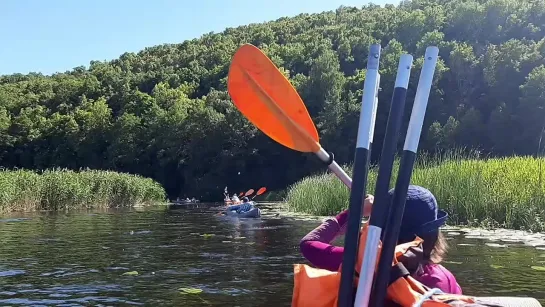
[{"x": 421, "y": 214}]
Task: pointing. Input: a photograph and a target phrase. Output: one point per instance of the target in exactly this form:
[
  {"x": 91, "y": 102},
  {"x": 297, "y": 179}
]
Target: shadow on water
[{"x": 80, "y": 258}]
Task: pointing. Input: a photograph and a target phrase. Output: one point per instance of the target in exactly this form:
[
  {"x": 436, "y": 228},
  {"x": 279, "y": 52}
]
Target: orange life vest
[{"x": 319, "y": 288}]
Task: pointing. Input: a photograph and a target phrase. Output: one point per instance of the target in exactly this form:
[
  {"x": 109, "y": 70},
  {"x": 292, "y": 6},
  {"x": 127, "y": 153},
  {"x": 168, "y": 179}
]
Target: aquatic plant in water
[
  {"x": 486, "y": 192},
  {"x": 25, "y": 190}
]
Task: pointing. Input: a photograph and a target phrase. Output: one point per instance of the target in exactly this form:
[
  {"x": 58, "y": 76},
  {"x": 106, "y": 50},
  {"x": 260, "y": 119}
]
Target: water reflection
[{"x": 78, "y": 258}]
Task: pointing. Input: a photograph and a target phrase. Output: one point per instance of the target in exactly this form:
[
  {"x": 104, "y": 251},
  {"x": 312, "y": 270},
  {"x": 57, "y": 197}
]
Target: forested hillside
[{"x": 164, "y": 112}]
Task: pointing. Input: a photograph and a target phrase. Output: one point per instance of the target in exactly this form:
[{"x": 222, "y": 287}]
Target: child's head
[{"x": 423, "y": 218}]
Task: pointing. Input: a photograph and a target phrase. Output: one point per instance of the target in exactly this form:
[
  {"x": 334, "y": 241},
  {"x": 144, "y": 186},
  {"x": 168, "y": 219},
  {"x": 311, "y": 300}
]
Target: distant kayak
[
  {"x": 186, "y": 201},
  {"x": 253, "y": 213}
]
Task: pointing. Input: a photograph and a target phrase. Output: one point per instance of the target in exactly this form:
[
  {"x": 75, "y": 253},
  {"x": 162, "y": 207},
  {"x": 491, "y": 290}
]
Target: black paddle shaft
[
  {"x": 359, "y": 182},
  {"x": 410, "y": 147},
  {"x": 381, "y": 205},
  {"x": 381, "y": 210}
]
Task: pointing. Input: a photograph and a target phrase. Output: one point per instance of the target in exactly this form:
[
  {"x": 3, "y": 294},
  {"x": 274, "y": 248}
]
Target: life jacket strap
[{"x": 398, "y": 271}]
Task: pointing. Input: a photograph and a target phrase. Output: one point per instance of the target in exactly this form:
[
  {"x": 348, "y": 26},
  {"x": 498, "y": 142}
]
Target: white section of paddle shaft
[
  {"x": 374, "y": 115},
  {"x": 421, "y": 99},
  {"x": 361, "y": 168},
  {"x": 368, "y": 99},
  {"x": 368, "y": 264},
  {"x": 335, "y": 168},
  {"x": 404, "y": 176}
]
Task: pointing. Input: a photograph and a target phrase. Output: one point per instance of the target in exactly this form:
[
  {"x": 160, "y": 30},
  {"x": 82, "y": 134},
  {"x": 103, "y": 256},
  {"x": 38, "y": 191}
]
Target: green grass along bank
[
  {"x": 24, "y": 190},
  {"x": 499, "y": 192}
]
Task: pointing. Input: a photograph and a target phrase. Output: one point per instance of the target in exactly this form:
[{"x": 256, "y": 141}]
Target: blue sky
[{"x": 51, "y": 36}]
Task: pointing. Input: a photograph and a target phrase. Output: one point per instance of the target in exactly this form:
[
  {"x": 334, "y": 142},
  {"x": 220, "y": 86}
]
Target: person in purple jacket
[{"x": 421, "y": 218}]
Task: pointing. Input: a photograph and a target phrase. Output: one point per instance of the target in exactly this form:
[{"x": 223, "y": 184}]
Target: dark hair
[{"x": 434, "y": 247}]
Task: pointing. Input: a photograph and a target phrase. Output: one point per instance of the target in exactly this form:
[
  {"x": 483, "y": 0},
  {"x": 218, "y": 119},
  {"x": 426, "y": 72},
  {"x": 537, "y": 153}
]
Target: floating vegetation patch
[
  {"x": 190, "y": 290},
  {"x": 495, "y": 266}
]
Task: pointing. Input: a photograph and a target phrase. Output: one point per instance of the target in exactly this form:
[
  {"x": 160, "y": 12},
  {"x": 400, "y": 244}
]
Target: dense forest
[{"x": 164, "y": 112}]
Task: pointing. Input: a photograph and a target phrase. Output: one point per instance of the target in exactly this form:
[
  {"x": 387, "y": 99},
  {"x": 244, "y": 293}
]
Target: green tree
[{"x": 164, "y": 112}]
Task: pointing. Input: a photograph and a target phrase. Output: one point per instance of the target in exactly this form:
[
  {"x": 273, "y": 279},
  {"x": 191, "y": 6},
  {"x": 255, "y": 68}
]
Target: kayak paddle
[
  {"x": 360, "y": 172},
  {"x": 249, "y": 192},
  {"x": 381, "y": 203},
  {"x": 268, "y": 100},
  {"x": 393, "y": 220},
  {"x": 259, "y": 192}
]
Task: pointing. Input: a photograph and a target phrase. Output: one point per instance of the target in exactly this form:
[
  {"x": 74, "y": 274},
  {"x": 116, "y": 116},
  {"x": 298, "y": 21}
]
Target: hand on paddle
[{"x": 368, "y": 204}]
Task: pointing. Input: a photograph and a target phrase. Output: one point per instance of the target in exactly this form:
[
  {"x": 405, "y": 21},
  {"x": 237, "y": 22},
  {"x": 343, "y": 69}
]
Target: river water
[{"x": 144, "y": 256}]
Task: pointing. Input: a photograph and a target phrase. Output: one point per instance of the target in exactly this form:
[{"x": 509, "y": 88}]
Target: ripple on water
[
  {"x": 14, "y": 220},
  {"x": 59, "y": 295},
  {"x": 166, "y": 246},
  {"x": 9, "y": 273},
  {"x": 140, "y": 232},
  {"x": 496, "y": 245},
  {"x": 227, "y": 290},
  {"x": 197, "y": 271},
  {"x": 214, "y": 255},
  {"x": 77, "y": 273},
  {"x": 65, "y": 295},
  {"x": 32, "y": 302},
  {"x": 67, "y": 302},
  {"x": 116, "y": 268},
  {"x": 52, "y": 273},
  {"x": 7, "y": 293}
]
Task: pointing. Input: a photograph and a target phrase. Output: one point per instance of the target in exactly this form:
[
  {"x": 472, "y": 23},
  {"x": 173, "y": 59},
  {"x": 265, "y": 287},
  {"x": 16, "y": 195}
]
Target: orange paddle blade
[
  {"x": 266, "y": 97},
  {"x": 261, "y": 191},
  {"x": 249, "y": 192}
]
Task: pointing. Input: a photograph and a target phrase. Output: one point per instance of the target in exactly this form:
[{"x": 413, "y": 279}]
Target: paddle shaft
[
  {"x": 374, "y": 116},
  {"x": 393, "y": 222},
  {"x": 334, "y": 167},
  {"x": 328, "y": 159},
  {"x": 381, "y": 204},
  {"x": 257, "y": 194},
  {"x": 361, "y": 168}
]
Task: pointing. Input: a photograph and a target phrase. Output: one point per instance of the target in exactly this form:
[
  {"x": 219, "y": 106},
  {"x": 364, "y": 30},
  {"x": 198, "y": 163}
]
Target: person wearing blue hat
[{"x": 421, "y": 218}]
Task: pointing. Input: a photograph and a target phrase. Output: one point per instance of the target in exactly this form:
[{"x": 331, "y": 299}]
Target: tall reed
[
  {"x": 24, "y": 190},
  {"x": 493, "y": 192}
]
